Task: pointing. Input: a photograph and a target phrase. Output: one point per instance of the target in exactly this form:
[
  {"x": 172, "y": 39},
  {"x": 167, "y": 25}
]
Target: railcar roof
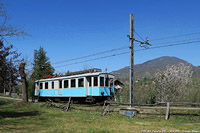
[{"x": 75, "y": 76}]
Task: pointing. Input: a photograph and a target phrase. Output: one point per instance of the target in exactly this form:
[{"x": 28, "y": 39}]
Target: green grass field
[{"x": 37, "y": 118}]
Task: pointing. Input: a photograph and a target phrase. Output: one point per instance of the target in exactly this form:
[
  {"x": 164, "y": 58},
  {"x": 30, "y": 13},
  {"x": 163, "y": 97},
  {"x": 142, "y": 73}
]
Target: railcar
[{"x": 85, "y": 87}]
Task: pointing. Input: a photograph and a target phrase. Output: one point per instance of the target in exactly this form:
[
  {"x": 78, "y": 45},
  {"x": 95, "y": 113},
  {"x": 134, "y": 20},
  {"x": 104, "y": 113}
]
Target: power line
[
  {"x": 107, "y": 51},
  {"x": 176, "y": 44},
  {"x": 116, "y": 49},
  {"x": 173, "y": 41},
  {"x": 139, "y": 36},
  {"x": 175, "y": 36},
  {"x": 112, "y": 50},
  {"x": 92, "y": 59},
  {"x": 177, "y": 41}
]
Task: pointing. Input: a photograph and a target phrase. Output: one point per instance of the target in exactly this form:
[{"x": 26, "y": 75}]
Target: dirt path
[{"x": 11, "y": 98}]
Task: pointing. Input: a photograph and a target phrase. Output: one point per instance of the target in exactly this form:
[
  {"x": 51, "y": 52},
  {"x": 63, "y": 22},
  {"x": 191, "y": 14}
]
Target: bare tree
[
  {"x": 9, "y": 60},
  {"x": 170, "y": 84},
  {"x": 6, "y": 29}
]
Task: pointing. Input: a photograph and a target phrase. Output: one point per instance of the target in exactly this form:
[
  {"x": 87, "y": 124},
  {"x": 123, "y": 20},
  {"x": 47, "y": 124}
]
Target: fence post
[{"x": 167, "y": 111}]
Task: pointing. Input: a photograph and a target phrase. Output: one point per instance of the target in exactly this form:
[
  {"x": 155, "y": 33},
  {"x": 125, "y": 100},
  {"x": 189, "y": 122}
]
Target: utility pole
[
  {"x": 34, "y": 77},
  {"x": 144, "y": 44},
  {"x": 131, "y": 78}
]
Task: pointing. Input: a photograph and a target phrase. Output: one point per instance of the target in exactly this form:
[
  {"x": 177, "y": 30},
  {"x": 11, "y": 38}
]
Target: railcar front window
[
  {"x": 52, "y": 84},
  {"x": 80, "y": 82},
  {"x": 102, "y": 81},
  {"x": 73, "y": 83},
  {"x": 46, "y": 85},
  {"x": 107, "y": 82},
  {"x": 66, "y": 84}
]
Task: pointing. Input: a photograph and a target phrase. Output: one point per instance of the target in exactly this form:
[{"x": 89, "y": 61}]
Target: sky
[{"x": 69, "y": 29}]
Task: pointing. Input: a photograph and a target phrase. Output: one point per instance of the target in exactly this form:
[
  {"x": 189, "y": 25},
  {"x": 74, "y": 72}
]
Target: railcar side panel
[
  {"x": 69, "y": 92},
  {"x": 90, "y": 91},
  {"x": 60, "y": 92},
  {"x": 50, "y": 92},
  {"x": 101, "y": 91},
  {"x": 88, "y": 85},
  {"x": 78, "y": 92}
]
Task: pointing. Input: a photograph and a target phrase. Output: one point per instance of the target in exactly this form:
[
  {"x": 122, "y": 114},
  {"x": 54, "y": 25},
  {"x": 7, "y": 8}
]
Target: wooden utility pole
[
  {"x": 131, "y": 78},
  {"x": 34, "y": 76}
]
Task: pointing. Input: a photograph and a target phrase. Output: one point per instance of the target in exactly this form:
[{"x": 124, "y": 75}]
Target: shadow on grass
[
  {"x": 184, "y": 114},
  {"x": 11, "y": 114},
  {"x": 5, "y": 102}
]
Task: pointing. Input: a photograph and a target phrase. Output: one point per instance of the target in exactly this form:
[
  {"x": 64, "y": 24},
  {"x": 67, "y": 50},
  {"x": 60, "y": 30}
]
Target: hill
[{"x": 148, "y": 68}]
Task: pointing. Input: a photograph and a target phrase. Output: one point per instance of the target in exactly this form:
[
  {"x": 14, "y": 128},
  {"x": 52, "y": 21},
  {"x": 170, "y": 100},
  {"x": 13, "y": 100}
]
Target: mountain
[{"x": 148, "y": 68}]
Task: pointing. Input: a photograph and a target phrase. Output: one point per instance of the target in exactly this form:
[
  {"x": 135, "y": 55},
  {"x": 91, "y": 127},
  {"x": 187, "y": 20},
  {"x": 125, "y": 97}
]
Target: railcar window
[
  {"x": 41, "y": 85},
  {"x": 107, "y": 81},
  {"x": 52, "y": 84},
  {"x": 46, "y": 85},
  {"x": 80, "y": 82},
  {"x": 90, "y": 81},
  {"x": 60, "y": 83},
  {"x": 66, "y": 84},
  {"x": 95, "y": 81},
  {"x": 102, "y": 81},
  {"x": 73, "y": 83}
]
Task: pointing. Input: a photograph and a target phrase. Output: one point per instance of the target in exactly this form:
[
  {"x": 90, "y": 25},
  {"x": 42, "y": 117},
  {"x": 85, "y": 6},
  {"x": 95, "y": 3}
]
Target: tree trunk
[
  {"x": 10, "y": 89},
  {"x": 23, "y": 80}
]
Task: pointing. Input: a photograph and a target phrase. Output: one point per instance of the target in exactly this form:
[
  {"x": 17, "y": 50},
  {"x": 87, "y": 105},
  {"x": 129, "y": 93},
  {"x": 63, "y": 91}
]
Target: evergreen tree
[{"x": 42, "y": 66}]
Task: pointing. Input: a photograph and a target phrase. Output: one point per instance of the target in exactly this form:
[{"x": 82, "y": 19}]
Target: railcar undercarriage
[{"x": 89, "y": 99}]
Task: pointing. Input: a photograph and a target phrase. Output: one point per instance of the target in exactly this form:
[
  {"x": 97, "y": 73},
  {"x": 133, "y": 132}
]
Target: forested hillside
[{"x": 147, "y": 69}]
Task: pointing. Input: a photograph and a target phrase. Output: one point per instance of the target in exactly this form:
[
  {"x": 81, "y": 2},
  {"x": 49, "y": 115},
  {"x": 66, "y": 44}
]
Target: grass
[{"x": 37, "y": 118}]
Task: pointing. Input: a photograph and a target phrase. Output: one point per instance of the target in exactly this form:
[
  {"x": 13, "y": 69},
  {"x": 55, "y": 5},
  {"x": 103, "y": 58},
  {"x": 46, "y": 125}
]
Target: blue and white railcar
[{"x": 90, "y": 87}]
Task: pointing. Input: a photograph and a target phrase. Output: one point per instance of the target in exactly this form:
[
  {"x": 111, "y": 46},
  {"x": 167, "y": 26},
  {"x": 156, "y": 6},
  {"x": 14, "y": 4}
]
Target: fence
[{"x": 156, "y": 105}]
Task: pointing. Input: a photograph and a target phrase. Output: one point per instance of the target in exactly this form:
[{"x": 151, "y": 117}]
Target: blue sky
[{"x": 69, "y": 29}]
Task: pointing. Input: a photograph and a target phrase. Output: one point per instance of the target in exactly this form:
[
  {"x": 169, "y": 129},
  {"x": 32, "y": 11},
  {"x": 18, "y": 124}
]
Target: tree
[
  {"x": 8, "y": 67},
  {"x": 8, "y": 57},
  {"x": 193, "y": 93},
  {"x": 7, "y": 29},
  {"x": 30, "y": 87},
  {"x": 170, "y": 84},
  {"x": 24, "y": 83},
  {"x": 42, "y": 66},
  {"x": 144, "y": 91}
]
